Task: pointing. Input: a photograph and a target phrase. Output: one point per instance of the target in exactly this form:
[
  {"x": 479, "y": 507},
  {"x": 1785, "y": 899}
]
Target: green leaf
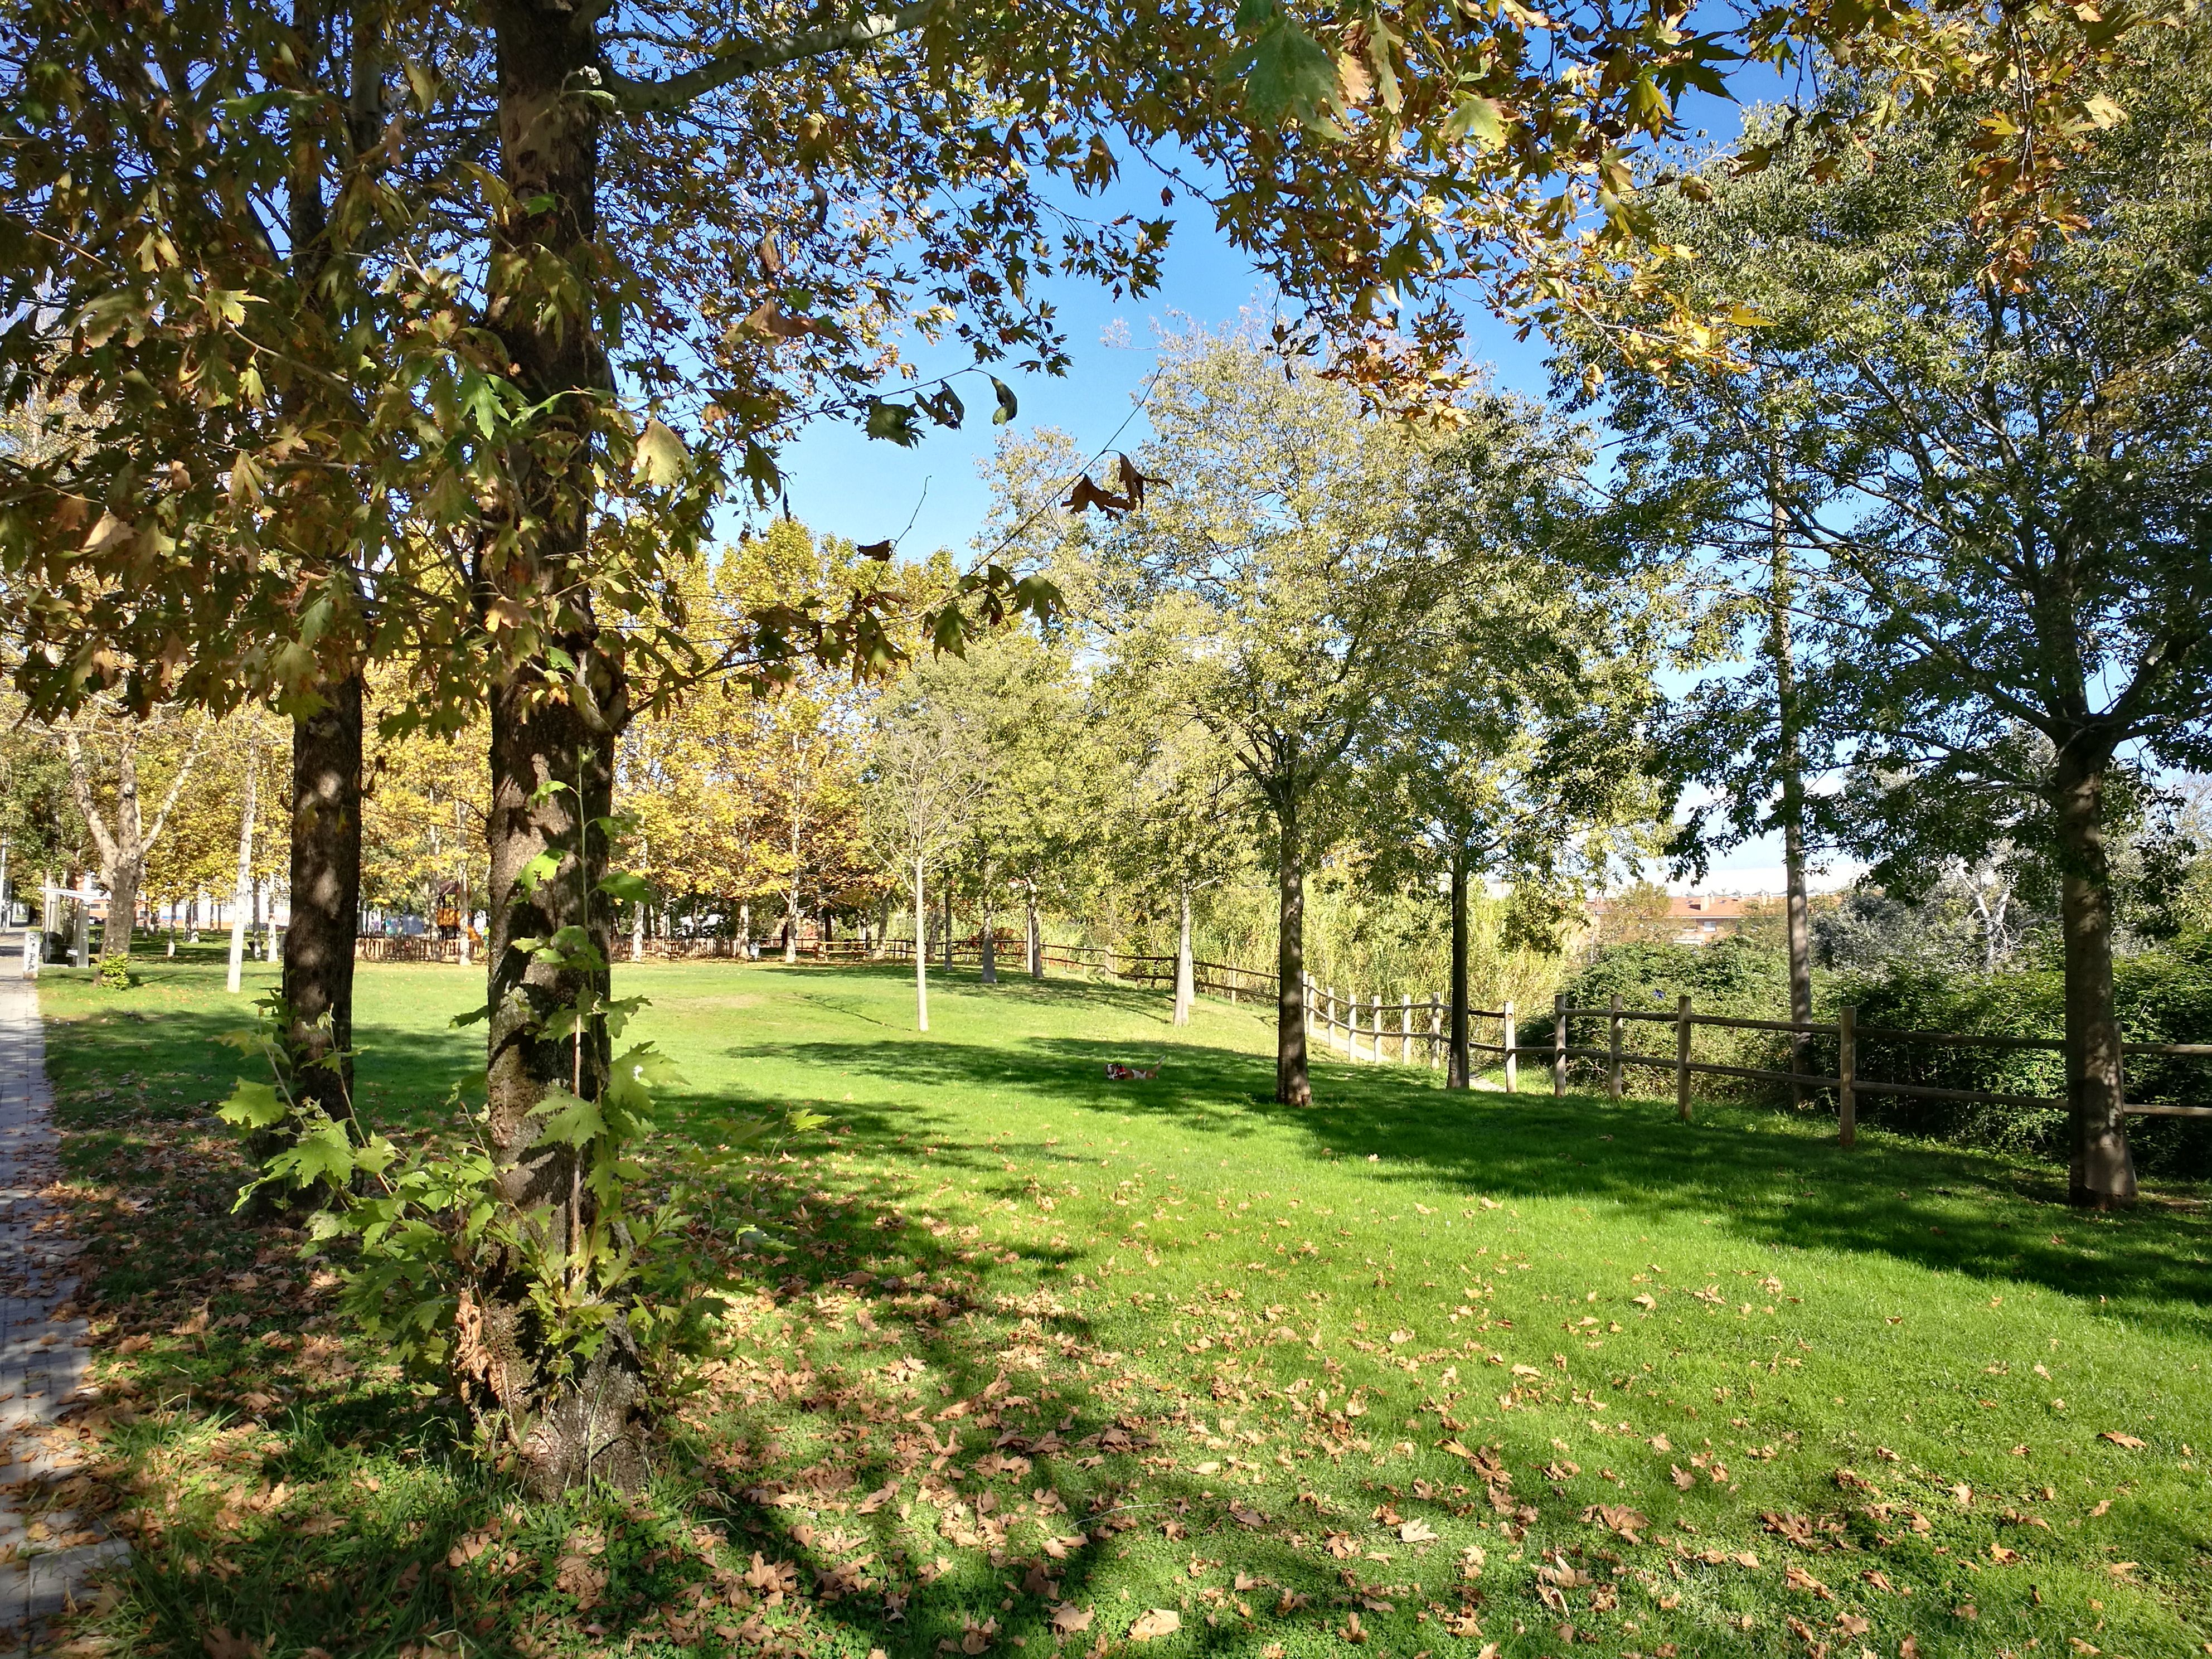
[
  {"x": 1479, "y": 117},
  {"x": 254, "y": 1106},
  {"x": 1291, "y": 74},
  {"x": 569, "y": 1119},
  {"x": 323, "y": 1154},
  {"x": 626, "y": 887},
  {"x": 894, "y": 422},
  {"x": 662, "y": 460},
  {"x": 539, "y": 870},
  {"x": 1009, "y": 406}
]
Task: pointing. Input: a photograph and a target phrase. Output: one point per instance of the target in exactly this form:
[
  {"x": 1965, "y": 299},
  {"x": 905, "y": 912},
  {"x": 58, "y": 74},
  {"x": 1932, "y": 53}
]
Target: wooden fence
[{"x": 1846, "y": 1084}]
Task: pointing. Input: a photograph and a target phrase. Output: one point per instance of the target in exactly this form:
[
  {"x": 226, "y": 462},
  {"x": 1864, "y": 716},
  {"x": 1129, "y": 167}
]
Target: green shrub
[
  {"x": 1731, "y": 976},
  {"x": 115, "y": 973},
  {"x": 2164, "y": 995}
]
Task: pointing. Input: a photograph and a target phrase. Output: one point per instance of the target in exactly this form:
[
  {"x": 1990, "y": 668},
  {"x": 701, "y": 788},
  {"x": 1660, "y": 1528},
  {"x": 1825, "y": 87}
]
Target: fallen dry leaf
[
  {"x": 1798, "y": 1579},
  {"x": 1618, "y": 1517},
  {"x": 2119, "y": 1439},
  {"x": 1158, "y": 1622},
  {"x": 1416, "y": 1532},
  {"x": 1068, "y": 1619}
]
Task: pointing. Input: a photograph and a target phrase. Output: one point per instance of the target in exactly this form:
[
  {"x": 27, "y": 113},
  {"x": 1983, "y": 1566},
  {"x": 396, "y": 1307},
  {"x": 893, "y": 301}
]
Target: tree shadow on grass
[{"x": 1770, "y": 1176}]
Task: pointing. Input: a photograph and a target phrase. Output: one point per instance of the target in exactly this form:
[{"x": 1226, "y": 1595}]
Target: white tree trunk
[
  {"x": 920, "y": 954},
  {"x": 1185, "y": 987},
  {"x": 242, "y": 891}
]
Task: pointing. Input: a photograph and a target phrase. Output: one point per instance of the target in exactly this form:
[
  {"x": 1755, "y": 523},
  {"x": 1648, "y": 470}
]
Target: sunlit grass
[{"x": 1323, "y": 1334}]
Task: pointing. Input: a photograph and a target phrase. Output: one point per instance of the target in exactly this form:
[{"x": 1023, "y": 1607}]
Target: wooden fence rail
[{"x": 1846, "y": 1084}]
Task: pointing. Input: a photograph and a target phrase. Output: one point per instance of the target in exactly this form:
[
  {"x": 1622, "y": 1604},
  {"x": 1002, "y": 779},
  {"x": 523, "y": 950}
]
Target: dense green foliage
[{"x": 2163, "y": 994}]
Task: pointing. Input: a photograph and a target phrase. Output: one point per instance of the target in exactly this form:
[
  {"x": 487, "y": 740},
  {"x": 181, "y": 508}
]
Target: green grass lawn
[{"x": 1040, "y": 1358}]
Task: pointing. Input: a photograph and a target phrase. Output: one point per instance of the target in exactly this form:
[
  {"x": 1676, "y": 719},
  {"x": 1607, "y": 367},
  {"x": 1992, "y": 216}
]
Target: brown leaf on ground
[
  {"x": 1797, "y": 1579},
  {"x": 221, "y": 1644},
  {"x": 1619, "y": 1518},
  {"x": 575, "y": 1575},
  {"x": 1244, "y": 1516},
  {"x": 2119, "y": 1439},
  {"x": 1068, "y": 1619},
  {"x": 1683, "y": 1478},
  {"x": 1794, "y": 1527},
  {"x": 1153, "y": 1625},
  {"x": 1416, "y": 1532},
  {"x": 1341, "y": 1544},
  {"x": 1352, "y": 1633}
]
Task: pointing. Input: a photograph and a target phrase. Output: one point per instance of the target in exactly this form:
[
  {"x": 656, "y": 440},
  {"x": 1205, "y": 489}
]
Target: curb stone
[{"x": 47, "y": 1562}]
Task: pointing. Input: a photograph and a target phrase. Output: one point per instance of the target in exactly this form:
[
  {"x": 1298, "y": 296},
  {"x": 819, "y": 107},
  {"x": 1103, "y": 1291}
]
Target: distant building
[{"x": 1639, "y": 915}]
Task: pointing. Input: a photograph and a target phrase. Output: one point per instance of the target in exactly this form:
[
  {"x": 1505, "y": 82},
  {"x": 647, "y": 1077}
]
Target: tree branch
[{"x": 740, "y": 58}]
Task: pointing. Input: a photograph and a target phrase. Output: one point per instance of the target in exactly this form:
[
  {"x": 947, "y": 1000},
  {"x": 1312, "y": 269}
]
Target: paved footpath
[{"x": 47, "y": 1557}]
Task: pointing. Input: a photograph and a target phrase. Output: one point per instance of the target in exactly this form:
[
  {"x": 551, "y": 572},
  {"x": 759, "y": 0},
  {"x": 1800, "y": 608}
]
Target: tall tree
[
  {"x": 1287, "y": 576},
  {"x": 1996, "y": 493},
  {"x": 928, "y": 766},
  {"x": 106, "y": 750}
]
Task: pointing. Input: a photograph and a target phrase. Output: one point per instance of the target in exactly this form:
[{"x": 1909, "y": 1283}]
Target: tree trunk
[
  {"x": 243, "y": 884},
  {"x": 1036, "y": 934},
  {"x": 948, "y": 926},
  {"x": 920, "y": 952},
  {"x": 318, "y": 944},
  {"x": 1790, "y": 776},
  {"x": 989, "y": 974},
  {"x": 2102, "y": 1174},
  {"x": 791, "y": 925},
  {"x": 1185, "y": 990},
  {"x": 550, "y": 725},
  {"x": 1292, "y": 1085},
  {"x": 1458, "y": 1066}
]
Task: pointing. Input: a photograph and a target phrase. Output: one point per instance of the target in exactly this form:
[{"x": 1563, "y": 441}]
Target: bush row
[{"x": 2164, "y": 995}]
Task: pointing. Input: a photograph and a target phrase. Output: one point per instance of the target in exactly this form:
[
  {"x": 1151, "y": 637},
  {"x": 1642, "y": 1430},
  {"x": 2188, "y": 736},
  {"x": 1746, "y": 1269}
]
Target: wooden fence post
[
  {"x": 1560, "y": 1046},
  {"x": 1374, "y": 1034},
  {"x": 1613, "y": 1042},
  {"x": 1406, "y": 1028},
  {"x": 1512, "y": 1035},
  {"x": 1682, "y": 1058},
  {"x": 1436, "y": 1031},
  {"x": 1847, "y": 1060}
]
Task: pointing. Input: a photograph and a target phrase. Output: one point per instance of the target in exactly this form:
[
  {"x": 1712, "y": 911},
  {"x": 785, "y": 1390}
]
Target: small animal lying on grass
[{"x": 1117, "y": 1072}]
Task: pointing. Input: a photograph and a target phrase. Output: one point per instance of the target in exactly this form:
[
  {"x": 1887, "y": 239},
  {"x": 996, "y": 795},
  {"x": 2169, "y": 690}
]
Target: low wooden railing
[{"x": 1846, "y": 1084}]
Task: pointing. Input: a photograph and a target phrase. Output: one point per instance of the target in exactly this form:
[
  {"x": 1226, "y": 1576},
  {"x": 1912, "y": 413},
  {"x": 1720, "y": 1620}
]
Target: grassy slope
[{"x": 1210, "y": 1266}]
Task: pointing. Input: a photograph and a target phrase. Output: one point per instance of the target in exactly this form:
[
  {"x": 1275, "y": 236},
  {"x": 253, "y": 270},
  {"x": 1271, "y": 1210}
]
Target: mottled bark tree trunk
[
  {"x": 318, "y": 944},
  {"x": 550, "y": 725},
  {"x": 1293, "y": 1087},
  {"x": 1185, "y": 987},
  {"x": 1790, "y": 768},
  {"x": 2102, "y": 1174},
  {"x": 1459, "y": 1069}
]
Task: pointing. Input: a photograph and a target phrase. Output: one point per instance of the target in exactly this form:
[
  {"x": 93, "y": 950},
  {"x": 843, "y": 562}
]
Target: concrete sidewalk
[{"x": 49, "y": 1558}]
